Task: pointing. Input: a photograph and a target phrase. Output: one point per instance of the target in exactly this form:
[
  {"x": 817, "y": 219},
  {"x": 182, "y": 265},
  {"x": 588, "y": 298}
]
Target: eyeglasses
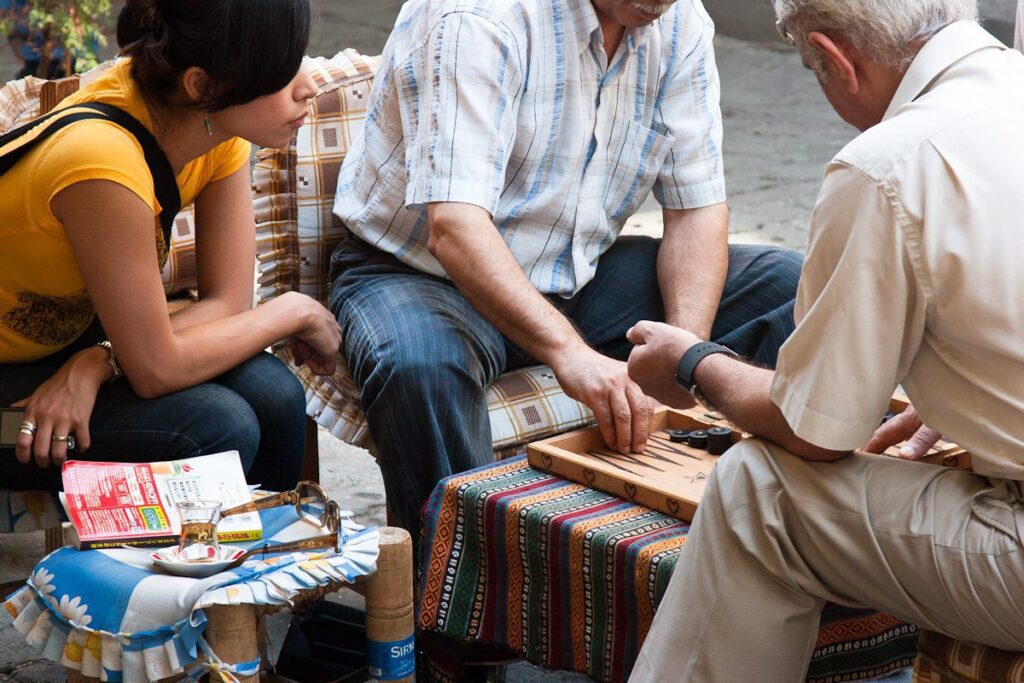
[
  {"x": 312, "y": 505},
  {"x": 310, "y": 501},
  {"x": 784, "y": 32}
]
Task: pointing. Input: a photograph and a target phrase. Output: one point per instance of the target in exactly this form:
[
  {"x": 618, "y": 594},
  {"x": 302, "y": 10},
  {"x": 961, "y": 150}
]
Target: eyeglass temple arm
[
  {"x": 264, "y": 503},
  {"x": 315, "y": 543}
]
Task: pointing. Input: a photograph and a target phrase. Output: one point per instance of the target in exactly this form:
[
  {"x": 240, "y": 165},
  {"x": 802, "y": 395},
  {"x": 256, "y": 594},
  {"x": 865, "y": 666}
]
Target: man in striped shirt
[{"x": 506, "y": 143}]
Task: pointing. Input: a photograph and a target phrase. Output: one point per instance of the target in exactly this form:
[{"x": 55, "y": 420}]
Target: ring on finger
[
  {"x": 27, "y": 427},
  {"x": 69, "y": 440}
]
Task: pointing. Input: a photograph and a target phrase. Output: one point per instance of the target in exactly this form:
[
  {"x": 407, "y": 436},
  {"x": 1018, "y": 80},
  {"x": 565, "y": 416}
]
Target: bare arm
[
  {"x": 111, "y": 231},
  {"x": 692, "y": 264},
  {"x": 225, "y": 251},
  {"x": 126, "y": 291},
  {"x": 466, "y": 243},
  {"x": 740, "y": 391}
]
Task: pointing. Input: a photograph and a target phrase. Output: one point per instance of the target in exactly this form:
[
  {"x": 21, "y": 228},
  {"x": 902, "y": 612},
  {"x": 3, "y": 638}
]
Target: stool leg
[
  {"x": 389, "y": 608},
  {"x": 54, "y": 539},
  {"x": 231, "y": 632}
]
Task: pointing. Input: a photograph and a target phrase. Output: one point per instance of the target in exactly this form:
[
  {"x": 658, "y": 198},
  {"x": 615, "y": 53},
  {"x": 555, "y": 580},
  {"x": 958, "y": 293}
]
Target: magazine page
[{"x": 126, "y": 503}]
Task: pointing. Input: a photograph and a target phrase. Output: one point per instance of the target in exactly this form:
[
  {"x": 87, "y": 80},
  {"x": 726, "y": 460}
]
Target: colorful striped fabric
[{"x": 569, "y": 578}]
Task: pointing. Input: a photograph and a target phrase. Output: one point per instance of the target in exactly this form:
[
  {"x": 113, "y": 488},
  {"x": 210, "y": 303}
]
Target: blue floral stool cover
[{"x": 113, "y": 616}]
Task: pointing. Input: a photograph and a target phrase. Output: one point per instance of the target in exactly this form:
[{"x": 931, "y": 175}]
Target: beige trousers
[{"x": 776, "y": 536}]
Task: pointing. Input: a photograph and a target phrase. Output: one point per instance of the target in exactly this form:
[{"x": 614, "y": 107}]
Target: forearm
[
  {"x": 89, "y": 367},
  {"x": 198, "y": 353},
  {"x": 478, "y": 261},
  {"x": 205, "y": 310},
  {"x": 692, "y": 265},
  {"x": 742, "y": 393}
]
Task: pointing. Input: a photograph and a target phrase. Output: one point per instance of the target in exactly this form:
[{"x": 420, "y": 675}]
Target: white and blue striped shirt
[{"x": 512, "y": 106}]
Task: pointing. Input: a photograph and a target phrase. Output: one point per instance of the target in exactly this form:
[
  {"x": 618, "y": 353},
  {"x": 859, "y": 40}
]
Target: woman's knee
[
  {"x": 220, "y": 420},
  {"x": 266, "y": 384}
]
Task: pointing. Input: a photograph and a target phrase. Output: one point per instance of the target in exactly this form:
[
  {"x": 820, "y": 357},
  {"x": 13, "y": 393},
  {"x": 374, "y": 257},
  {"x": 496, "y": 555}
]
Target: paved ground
[{"x": 779, "y": 134}]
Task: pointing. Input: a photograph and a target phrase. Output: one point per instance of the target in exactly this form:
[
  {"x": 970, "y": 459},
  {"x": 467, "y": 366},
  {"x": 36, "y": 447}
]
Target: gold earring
[{"x": 209, "y": 126}]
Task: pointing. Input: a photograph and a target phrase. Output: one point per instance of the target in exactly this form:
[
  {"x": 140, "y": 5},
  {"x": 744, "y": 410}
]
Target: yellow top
[{"x": 44, "y": 305}]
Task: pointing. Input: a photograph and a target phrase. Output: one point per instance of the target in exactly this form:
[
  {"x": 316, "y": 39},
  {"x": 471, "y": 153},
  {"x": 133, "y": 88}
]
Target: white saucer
[{"x": 168, "y": 560}]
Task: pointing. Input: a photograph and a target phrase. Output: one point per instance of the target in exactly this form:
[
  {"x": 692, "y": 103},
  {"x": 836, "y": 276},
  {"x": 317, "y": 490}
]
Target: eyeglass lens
[{"x": 312, "y": 504}]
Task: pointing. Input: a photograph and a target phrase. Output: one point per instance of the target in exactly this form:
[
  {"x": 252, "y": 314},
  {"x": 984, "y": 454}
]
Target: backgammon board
[{"x": 669, "y": 477}]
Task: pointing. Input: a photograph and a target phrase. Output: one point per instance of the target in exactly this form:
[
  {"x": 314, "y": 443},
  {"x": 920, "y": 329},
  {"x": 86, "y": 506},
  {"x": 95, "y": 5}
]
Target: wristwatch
[{"x": 688, "y": 365}]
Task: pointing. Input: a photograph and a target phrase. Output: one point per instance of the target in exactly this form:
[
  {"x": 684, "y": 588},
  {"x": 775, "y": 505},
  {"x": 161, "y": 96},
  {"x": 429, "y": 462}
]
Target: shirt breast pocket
[{"x": 633, "y": 172}]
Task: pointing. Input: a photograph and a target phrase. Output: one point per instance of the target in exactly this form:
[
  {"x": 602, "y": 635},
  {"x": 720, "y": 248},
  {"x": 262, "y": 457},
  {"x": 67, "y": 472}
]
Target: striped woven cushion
[{"x": 296, "y": 231}]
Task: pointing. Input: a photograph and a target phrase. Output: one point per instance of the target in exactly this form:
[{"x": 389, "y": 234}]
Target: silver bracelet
[{"x": 111, "y": 360}]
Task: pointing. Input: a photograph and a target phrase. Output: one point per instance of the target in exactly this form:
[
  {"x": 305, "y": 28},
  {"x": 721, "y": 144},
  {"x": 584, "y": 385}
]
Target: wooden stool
[
  {"x": 232, "y": 630},
  {"x": 945, "y": 660}
]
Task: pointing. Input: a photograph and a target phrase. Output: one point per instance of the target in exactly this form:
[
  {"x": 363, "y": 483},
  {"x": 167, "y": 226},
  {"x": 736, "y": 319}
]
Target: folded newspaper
[{"x": 112, "y": 504}]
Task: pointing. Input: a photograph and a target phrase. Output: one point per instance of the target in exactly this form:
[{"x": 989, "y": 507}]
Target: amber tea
[{"x": 198, "y": 540}]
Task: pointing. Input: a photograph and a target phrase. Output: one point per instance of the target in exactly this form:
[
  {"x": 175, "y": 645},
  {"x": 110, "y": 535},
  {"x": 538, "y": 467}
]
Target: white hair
[{"x": 891, "y": 31}]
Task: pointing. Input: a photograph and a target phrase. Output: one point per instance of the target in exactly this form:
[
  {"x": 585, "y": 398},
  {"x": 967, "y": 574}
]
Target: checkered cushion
[
  {"x": 296, "y": 231},
  {"x": 944, "y": 660},
  {"x": 179, "y": 274}
]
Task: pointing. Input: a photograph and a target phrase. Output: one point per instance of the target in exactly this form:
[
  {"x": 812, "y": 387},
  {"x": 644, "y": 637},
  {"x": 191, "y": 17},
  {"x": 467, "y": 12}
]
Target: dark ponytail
[{"x": 248, "y": 48}]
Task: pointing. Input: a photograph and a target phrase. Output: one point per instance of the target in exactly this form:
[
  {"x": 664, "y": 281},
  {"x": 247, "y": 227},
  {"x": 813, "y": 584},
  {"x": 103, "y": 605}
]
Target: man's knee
[
  {"x": 771, "y": 264},
  {"x": 431, "y": 353},
  {"x": 744, "y": 469},
  {"x": 429, "y": 369}
]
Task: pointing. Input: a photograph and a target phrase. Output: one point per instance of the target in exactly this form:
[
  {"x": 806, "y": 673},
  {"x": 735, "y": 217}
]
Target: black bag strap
[{"x": 165, "y": 185}]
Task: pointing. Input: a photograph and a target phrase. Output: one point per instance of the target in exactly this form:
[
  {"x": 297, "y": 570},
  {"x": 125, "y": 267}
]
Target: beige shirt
[
  {"x": 1018, "y": 34},
  {"x": 915, "y": 269}
]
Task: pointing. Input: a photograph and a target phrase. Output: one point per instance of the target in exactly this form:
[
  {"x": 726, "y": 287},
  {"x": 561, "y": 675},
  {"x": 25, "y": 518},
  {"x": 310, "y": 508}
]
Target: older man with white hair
[{"x": 913, "y": 277}]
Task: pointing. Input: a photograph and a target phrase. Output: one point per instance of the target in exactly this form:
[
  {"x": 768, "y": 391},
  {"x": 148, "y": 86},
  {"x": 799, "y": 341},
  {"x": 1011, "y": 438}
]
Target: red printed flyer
[{"x": 112, "y": 504}]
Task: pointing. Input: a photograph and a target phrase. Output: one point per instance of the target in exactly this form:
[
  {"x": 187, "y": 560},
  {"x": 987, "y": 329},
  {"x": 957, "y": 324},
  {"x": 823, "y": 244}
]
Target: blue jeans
[
  {"x": 257, "y": 409},
  {"x": 423, "y": 356}
]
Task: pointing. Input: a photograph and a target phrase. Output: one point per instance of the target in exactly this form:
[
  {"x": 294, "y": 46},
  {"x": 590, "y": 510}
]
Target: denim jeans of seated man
[
  {"x": 423, "y": 356},
  {"x": 256, "y": 408}
]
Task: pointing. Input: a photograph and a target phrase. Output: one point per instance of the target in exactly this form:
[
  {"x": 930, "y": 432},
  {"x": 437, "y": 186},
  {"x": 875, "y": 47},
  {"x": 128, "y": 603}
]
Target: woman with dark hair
[{"x": 81, "y": 300}]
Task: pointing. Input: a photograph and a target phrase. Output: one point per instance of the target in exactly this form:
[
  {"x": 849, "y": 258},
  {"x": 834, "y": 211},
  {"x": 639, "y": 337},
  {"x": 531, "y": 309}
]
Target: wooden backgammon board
[{"x": 669, "y": 477}]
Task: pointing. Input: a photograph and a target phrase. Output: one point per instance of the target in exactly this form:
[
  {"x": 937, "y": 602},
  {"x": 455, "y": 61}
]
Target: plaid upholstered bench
[
  {"x": 944, "y": 660},
  {"x": 296, "y": 231}
]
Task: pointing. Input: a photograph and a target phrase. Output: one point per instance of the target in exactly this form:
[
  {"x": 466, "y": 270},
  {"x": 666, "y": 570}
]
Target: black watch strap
[{"x": 692, "y": 358}]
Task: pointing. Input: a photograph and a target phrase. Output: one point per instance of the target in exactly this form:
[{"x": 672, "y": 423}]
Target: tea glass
[{"x": 198, "y": 540}]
